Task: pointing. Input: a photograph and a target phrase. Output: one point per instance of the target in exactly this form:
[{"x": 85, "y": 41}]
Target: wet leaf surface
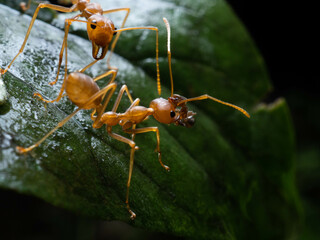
[{"x": 230, "y": 177}]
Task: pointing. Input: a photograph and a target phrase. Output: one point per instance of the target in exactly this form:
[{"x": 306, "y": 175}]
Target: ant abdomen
[{"x": 79, "y": 88}]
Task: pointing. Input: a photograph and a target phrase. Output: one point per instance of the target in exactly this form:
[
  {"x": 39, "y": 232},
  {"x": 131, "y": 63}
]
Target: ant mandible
[
  {"x": 100, "y": 31},
  {"x": 167, "y": 111}
]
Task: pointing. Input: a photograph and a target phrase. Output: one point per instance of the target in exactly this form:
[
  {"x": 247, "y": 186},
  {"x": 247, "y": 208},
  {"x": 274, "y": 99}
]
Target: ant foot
[
  {"x": 113, "y": 68},
  {"x": 52, "y": 83},
  {"x": 23, "y": 6},
  {"x": 37, "y": 95},
  {"x": 166, "y": 168},
  {"x": 2, "y": 71},
  {"x": 133, "y": 215},
  {"x": 21, "y": 150}
]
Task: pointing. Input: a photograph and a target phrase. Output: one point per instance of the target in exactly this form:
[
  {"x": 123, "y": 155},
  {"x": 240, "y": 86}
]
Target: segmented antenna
[
  {"x": 169, "y": 52},
  {"x": 206, "y": 96}
]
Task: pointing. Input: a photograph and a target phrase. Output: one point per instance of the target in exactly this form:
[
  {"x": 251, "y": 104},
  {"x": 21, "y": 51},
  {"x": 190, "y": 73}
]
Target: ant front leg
[
  {"x": 41, "y": 5},
  {"x": 89, "y": 65},
  {"x": 118, "y": 35},
  {"x": 157, "y": 49}
]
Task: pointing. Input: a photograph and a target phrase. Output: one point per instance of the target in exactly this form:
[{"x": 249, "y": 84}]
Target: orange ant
[
  {"x": 88, "y": 96},
  {"x": 100, "y": 31}
]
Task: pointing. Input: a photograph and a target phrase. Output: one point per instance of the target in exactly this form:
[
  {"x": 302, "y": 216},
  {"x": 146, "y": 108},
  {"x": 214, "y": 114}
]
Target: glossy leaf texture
[{"x": 231, "y": 177}]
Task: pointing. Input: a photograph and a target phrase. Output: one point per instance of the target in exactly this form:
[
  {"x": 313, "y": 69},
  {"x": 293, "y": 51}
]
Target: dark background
[{"x": 284, "y": 32}]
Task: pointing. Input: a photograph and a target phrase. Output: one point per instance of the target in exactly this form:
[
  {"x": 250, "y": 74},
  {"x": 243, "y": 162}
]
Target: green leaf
[{"x": 230, "y": 178}]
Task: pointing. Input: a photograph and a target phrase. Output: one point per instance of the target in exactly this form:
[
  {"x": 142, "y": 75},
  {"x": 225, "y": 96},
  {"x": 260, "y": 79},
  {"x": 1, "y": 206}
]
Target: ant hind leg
[
  {"x": 150, "y": 129},
  {"x": 60, "y": 124},
  {"x": 133, "y": 146},
  {"x": 41, "y": 5}
]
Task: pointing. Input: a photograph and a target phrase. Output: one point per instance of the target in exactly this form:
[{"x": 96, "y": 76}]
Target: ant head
[
  {"x": 100, "y": 32},
  {"x": 185, "y": 117},
  {"x": 170, "y": 111},
  {"x": 164, "y": 111}
]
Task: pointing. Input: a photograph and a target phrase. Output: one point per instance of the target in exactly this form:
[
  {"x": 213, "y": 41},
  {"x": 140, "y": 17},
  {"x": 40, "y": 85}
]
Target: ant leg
[
  {"x": 97, "y": 123},
  {"x": 133, "y": 146},
  {"x": 118, "y": 35},
  {"x": 150, "y": 129},
  {"x": 41, "y": 5},
  {"x": 94, "y": 62},
  {"x": 107, "y": 73},
  {"x": 118, "y": 10},
  {"x": 123, "y": 89},
  {"x": 88, "y": 66},
  {"x": 206, "y": 96},
  {"x": 111, "y": 85},
  {"x": 131, "y": 142},
  {"x": 157, "y": 49},
  {"x": 68, "y": 22},
  {"x": 55, "y": 100},
  {"x": 60, "y": 124},
  {"x": 64, "y": 46},
  {"x": 65, "y": 38}
]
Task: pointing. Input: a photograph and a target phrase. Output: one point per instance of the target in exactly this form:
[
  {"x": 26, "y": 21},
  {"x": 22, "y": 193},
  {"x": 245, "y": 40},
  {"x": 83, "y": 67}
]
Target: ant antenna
[
  {"x": 206, "y": 96},
  {"x": 169, "y": 53}
]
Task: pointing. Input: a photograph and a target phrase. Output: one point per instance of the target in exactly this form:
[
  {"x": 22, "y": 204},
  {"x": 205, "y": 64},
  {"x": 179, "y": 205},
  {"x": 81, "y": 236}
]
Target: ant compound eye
[
  {"x": 115, "y": 33},
  {"x": 172, "y": 114},
  {"x": 93, "y": 26}
]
